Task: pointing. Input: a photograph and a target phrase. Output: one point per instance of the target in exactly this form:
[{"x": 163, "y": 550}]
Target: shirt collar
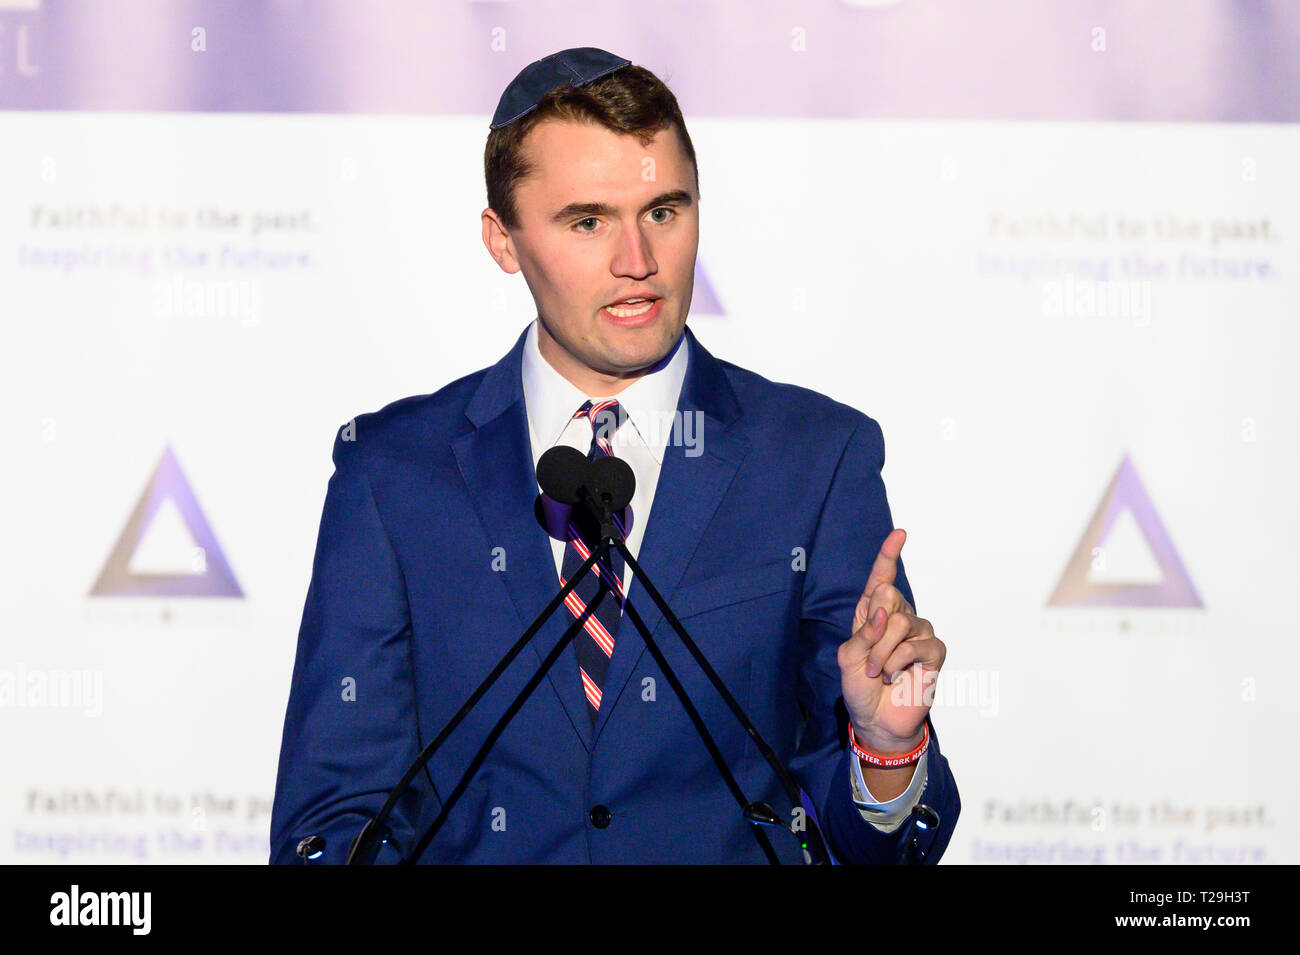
[{"x": 650, "y": 402}]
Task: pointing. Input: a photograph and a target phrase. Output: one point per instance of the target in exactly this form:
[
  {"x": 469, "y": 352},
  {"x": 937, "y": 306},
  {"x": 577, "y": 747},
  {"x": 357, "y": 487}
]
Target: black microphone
[
  {"x": 568, "y": 476},
  {"x": 612, "y": 482},
  {"x": 562, "y": 473}
]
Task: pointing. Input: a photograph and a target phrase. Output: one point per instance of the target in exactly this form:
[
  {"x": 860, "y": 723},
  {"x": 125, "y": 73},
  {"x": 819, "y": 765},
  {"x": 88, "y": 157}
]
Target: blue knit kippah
[{"x": 574, "y": 67}]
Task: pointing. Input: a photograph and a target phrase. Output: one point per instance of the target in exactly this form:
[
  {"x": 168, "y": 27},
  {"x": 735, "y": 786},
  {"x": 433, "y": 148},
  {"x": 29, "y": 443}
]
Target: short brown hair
[{"x": 629, "y": 100}]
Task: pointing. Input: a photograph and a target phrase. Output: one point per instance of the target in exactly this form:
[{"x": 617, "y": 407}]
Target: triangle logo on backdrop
[
  {"x": 1125, "y": 557},
  {"x": 166, "y": 548}
]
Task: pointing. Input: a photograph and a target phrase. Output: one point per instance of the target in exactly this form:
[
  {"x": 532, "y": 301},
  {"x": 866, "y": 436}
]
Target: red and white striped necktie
[{"x": 595, "y": 645}]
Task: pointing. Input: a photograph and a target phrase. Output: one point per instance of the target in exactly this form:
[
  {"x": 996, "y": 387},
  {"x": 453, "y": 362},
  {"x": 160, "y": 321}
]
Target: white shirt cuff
[{"x": 886, "y": 816}]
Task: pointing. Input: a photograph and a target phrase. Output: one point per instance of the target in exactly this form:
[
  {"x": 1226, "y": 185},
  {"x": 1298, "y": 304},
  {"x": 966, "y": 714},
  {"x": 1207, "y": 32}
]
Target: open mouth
[{"x": 632, "y": 307}]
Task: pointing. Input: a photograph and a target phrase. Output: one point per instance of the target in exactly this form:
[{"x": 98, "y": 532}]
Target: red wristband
[{"x": 906, "y": 759}]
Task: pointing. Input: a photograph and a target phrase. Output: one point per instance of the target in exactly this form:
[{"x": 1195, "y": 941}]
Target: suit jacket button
[{"x": 600, "y": 816}]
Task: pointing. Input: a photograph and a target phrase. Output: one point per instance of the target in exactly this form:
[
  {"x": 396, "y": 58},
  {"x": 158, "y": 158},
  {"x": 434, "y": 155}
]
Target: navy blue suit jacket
[{"x": 761, "y": 544}]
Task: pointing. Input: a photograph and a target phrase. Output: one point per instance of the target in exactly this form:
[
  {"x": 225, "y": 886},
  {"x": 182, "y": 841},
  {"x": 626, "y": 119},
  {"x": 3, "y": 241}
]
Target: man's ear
[{"x": 498, "y": 242}]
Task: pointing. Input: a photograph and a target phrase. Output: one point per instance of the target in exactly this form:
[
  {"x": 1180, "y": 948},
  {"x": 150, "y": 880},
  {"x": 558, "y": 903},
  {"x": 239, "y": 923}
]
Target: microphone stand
[
  {"x": 923, "y": 817},
  {"x": 815, "y": 845},
  {"x": 365, "y": 846}
]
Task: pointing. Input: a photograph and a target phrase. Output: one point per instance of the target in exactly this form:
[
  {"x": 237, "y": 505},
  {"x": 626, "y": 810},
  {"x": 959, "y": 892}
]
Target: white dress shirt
[{"x": 649, "y": 402}]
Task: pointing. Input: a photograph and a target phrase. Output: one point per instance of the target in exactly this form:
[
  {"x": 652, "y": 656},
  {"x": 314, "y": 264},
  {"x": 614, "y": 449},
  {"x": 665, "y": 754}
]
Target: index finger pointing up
[{"x": 885, "y": 567}]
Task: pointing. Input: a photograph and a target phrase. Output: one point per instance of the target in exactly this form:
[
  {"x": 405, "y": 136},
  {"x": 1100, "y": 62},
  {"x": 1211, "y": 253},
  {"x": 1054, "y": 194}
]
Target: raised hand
[{"x": 890, "y": 661}]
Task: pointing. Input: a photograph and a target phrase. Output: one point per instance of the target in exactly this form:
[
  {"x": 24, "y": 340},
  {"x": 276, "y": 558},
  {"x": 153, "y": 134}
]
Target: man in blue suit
[{"x": 759, "y": 513}]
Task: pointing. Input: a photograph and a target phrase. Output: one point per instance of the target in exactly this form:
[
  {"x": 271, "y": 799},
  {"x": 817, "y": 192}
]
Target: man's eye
[
  {"x": 581, "y": 221},
  {"x": 663, "y": 209}
]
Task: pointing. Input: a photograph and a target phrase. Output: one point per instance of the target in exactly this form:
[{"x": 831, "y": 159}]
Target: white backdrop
[{"x": 933, "y": 274}]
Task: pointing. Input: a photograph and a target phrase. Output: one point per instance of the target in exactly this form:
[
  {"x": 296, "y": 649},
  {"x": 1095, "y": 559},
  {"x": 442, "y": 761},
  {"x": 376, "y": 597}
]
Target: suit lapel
[
  {"x": 495, "y": 460},
  {"x": 686, "y": 496}
]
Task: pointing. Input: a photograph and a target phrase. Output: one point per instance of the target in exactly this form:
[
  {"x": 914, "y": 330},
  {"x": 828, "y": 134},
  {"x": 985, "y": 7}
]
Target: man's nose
[{"x": 633, "y": 257}]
